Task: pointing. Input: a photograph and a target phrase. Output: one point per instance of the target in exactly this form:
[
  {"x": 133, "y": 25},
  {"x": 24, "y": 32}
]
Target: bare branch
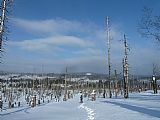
[{"x": 149, "y": 25}]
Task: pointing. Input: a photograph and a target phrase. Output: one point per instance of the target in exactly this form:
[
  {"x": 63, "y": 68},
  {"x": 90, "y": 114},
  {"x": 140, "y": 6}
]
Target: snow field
[{"x": 140, "y": 106}]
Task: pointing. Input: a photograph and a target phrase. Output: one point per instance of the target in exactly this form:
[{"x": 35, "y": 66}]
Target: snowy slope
[{"x": 140, "y": 106}]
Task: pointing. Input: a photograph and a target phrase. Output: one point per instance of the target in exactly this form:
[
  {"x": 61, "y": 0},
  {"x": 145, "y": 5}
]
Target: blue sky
[{"x": 59, "y": 33}]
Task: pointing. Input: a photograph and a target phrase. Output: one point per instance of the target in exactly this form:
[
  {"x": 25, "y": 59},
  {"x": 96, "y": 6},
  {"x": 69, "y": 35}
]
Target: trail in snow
[
  {"x": 141, "y": 106},
  {"x": 90, "y": 112}
]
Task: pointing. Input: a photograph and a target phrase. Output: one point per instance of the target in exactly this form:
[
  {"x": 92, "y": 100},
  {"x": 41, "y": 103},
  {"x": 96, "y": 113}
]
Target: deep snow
[{"x": 139, "y": 106}]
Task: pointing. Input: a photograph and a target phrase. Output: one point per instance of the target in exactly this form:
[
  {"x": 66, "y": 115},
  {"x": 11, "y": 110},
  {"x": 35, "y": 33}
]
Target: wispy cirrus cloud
[
  {"x": 78, "y": 44},
  {"x": 58, "y": 32},
  {"x": 56, "y": 26},
  {"x": 75, "y": 43},
  {"x": 46, "y": 43}
]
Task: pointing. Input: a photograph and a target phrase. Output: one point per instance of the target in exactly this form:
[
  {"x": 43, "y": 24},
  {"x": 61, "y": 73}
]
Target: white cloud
[
  {"x": 88, "y": 43},
  {"x": 142, "y": 59},
  {"x": 45, "y": 43},
  {"x": 55, "y": 26},
  {"x": 90, "y": 51}
]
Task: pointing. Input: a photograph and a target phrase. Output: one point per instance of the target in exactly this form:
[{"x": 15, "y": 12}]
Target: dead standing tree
[
  {"x": 125, "y": 69},
  {"x": 109, "y": 54},
  {"x": 4, "y": 11},
  {"x": 154, "y": 80}
]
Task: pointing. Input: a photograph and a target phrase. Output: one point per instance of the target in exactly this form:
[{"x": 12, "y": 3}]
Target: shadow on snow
[
  {"x": 21, "y": 109},
  {"x": 154, "y": 113}
]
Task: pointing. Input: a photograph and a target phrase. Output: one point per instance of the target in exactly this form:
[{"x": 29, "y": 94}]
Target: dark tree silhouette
[{"x": 149, "y": 25}]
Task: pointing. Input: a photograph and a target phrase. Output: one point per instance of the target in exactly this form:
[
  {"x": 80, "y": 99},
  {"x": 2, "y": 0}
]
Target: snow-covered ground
[{"x": 140, "y": 106}]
